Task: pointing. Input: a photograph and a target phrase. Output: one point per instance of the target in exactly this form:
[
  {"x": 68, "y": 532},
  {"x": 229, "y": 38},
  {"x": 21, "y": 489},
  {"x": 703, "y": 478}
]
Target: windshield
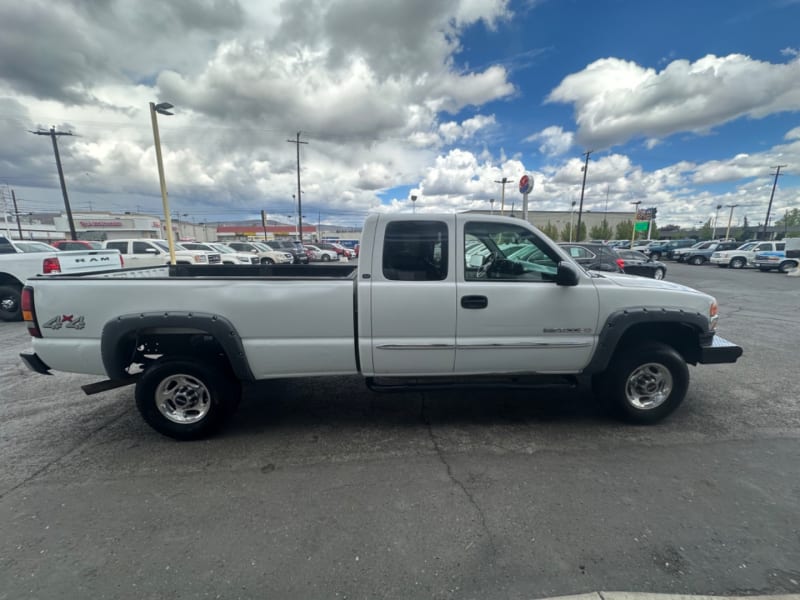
[
  {"x": 222, "y": 248},
  {"x": 35, "y": 247}
]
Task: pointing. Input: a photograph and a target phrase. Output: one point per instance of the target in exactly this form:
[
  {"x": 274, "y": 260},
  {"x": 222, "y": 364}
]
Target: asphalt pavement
[{"x": 321, "y": 489}]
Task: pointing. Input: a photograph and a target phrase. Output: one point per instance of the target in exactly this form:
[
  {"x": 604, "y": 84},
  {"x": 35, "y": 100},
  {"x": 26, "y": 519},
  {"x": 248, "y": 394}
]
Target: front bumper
[
  {"x": 34, "y": 363},
  {"x": 719, "y": 350}
]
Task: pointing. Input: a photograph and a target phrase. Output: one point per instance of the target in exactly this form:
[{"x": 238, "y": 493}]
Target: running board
[
  {"x": 109, "y": 384},
  {"x": 530, "y": 382}
]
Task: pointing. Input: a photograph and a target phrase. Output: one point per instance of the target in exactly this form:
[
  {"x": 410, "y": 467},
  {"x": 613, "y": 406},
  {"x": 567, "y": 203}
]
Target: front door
[{"x": 511, "y": 315}]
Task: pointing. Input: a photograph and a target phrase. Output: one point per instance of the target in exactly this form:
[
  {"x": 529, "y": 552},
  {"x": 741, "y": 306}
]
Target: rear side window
[
  {"x": 121, "y": 246},
  {"x": 415, "y": 251}
]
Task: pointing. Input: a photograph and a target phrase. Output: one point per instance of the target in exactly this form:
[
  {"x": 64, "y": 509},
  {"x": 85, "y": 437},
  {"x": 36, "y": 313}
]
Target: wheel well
[
  {"x": 138, "y": 349},
  {"x": 6, "y": 279},
  {"x": 680, "y": 336}
]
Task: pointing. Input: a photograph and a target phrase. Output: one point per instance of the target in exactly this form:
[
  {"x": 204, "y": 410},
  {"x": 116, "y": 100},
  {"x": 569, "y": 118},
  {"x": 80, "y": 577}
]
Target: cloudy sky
[{"x": 685, "y": 104}]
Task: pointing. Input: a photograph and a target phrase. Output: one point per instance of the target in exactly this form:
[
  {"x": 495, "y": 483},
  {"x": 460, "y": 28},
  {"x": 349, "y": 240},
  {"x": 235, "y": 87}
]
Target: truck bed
[{"x": 310, "y": 272}]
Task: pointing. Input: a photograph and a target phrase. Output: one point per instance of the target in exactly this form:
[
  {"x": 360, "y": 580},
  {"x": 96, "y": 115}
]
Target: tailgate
[{"x": 84, "y": 261}]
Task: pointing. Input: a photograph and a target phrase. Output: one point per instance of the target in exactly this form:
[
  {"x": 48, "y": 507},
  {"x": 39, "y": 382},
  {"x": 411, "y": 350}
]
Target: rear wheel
[
  {"x": 787, "y": 266},
  {"x": 10, "y": 308},
  {"x": 644, "y": 384},
  {"x": 696, "y": 260},
  {"x": 738, "y": 263},
  {"x": 186, "y": 399}
]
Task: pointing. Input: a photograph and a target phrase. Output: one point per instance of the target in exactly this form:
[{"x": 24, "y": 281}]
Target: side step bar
[
  {"x": 424, "y": 384},
  {"x": 109, "y": 384}
]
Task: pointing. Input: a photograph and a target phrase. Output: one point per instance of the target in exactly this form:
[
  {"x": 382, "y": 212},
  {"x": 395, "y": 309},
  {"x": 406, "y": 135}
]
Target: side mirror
[
  {"x": 566, "y": 274},
  {"x": 151, "y": 251}
]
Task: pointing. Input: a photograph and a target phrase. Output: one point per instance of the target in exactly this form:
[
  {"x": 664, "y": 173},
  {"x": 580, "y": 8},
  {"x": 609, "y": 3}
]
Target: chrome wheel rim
[
  {"x": 183, "y": 399},
  {"x": 8, "y": 304},
  {"x": 649, "y": 386},
  {"x": 737, "y": 263},
  {"x": 659, "y": 274}
]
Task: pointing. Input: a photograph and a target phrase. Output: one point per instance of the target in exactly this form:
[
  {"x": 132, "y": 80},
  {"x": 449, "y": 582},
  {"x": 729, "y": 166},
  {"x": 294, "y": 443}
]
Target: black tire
[
  {"x": 737, "y": 263},
  {"x": 10, "y": 303},
  {"x": 649, "y": 366},
  {"x": 696, "y": 260},
  {"x": 326, "y": 258},
  {"x": 787, "y": 266},
  {"x": 267, "y": 261},
  {"x": 217, "y": 391},
  {"x": 659, "y": 274},
  {"x": 655, "y": 255}
]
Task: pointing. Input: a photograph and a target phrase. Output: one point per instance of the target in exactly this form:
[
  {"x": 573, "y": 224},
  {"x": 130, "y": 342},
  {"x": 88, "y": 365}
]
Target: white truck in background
[
  {"x": 436, "y": 301},
  {"x": 23, "y": 260}
]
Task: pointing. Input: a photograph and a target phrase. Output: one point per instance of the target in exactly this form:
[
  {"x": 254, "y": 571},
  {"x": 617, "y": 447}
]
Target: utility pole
[
  {"x": 16, "y": 212},
  {"x": 53, "y": 136},
  {"x": 502, "y": 181},
  {"x": 716, "y": 220},
  {"x": 583, "y": 187},
  {"x": 730, "y": 218},
  {"x": 771, "y": 196},
  {"x": 297, "y": 142}
]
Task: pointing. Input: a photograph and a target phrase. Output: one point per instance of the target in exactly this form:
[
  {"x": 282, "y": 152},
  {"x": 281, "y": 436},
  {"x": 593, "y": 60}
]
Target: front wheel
[
  {"x": 325, "y": 258},
  {"x": 10, "y": 307},
  {"x": 186, "y": 399},
  {"x": 659, "y": 274},
  {"x": 738, "y": 263},
  {"x": 645, "y": 384},
  {"x": 696, "y": 260},
  {"x": 267, "y": 261}
]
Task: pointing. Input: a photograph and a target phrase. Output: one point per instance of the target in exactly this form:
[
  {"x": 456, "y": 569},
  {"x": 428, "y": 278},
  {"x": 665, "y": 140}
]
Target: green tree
[
  {"x": 706, "y": 232},
  {"x": 601, "y": 232},
  {"x": 791, "y": 218},
  {"x": 625, "y": 230},
  {"x": 581, "y": 234},
  {"x": 550, "y": 231}
]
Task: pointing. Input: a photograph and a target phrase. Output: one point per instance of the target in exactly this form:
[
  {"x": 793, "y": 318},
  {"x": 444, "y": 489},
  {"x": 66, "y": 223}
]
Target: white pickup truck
[
  {"x": 435, "y": 301},
  {"x": 22, "y": 260},
  {"x": 146, "y": 252}
]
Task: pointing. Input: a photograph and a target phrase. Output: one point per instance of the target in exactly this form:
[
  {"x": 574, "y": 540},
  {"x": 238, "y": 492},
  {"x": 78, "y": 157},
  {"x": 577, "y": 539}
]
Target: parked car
[
  {"x": 775, "y": 260},
  {"x": 77, "y": 245},
  {"x": 228, "y": 254},
  {"x": 666, "y": 247},
  {"x": 598, "y": 257},
  {"x": 293, "y": 247},
  {"x": 698, "y": 256},
  {"x": 640, "y": 245},
  {"x": 638, "y": 263},
  {"x": 145, "y": 252},
  {"x": 28, "y": 246},
  {"x": 679, "y": 254},
  {"x": 266, "y": 255},
  {"x": 318, "y": 253},
  {"x": 744, "y": 255},
  {"x": 337, "y": 248}
]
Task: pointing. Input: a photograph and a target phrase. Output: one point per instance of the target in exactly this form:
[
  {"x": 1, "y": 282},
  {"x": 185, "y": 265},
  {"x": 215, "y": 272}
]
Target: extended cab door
[
  {"x": 413, "y": 297},
  {"x": 511, "y": 316}
]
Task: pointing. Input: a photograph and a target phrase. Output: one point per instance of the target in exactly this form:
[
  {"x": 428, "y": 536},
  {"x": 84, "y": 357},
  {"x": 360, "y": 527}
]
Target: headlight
[
  {"x": 200, "y": 258},
  {"x": 713, "y": 317}
]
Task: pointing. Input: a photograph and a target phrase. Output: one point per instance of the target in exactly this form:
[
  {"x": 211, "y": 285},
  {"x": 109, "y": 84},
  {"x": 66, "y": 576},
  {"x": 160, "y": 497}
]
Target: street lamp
[
  {"x": 163, "y": 109},
  {"x": 636, "y": 204},
  {"x": 413, "y": 204},
  {"x": 503, "y": 182},
  {"x": 730, "y": 218}
]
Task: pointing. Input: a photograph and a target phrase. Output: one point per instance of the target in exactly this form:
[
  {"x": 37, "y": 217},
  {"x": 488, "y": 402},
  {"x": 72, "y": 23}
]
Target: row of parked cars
[{"x": 763, "y": 255}]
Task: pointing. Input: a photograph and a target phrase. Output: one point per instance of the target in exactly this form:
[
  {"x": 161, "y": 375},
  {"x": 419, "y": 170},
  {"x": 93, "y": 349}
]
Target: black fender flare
[
  {"x": 220, "y": 328},
  {"x": 619, "y": 322}
]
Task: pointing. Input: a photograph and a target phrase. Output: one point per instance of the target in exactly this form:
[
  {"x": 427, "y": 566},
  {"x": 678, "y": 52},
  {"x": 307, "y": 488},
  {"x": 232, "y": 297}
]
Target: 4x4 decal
[{"x": 68, "y": 321}]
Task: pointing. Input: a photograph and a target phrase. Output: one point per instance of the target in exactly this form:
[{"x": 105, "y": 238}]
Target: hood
[{"x": 634, "y": 281}]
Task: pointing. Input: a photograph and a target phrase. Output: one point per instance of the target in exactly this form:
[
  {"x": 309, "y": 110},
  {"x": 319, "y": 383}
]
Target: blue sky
[{"x": 686, "y": 104}]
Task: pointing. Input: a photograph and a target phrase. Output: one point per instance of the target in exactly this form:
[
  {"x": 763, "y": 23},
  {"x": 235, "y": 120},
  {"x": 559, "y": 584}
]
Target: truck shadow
[{"x": 347, "y": 401}]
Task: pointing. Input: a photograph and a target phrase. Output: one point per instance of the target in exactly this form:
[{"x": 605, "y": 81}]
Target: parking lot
[{"x": 320, "y": 488}]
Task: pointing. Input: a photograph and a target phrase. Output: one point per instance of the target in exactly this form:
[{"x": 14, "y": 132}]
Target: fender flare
[
  {"x": 619, "y": 322},
  {"x": 220, "y": 328}
]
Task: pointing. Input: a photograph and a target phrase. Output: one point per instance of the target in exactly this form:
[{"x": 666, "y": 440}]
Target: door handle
[{"x": 474, "y": 302}]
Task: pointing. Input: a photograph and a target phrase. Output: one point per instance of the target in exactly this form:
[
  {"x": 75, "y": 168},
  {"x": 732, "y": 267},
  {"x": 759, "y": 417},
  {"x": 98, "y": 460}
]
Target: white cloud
[
  {"x": 616, "y": 100},
  {"x": 555, "y": 141},
  {"x": 452, "y": 131},
  {"x": 790, "y": 52}
]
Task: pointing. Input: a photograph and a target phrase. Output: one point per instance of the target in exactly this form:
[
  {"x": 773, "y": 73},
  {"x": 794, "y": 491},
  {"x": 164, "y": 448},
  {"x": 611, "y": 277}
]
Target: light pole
[
  {"x": 716, "y": 220},
  {"x": 413, "y": 204},
  {"x": 571, "y": 219},
  {"x": 503, "y": 182},
  {"x": 636, "y": 204},
  {"x": 163, "y": 109},
  {"x": 730, "y": 218}
]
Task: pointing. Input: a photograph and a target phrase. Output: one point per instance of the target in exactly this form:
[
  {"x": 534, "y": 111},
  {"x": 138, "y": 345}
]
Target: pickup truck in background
[
  {"x": 436, "y": 301},
  {"x": 698, "y": 256},
  {"x": 666, "y": 247},
  {"x": 744, "y": 255},
  {"x": 23, "y": 260},
  {"x": 778, "y": 260},
  {"x": 145, "y": 252}
]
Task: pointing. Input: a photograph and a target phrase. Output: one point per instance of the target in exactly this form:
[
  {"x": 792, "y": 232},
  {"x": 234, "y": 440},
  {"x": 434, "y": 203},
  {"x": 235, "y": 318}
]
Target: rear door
[{"x": 413, "y": 297}]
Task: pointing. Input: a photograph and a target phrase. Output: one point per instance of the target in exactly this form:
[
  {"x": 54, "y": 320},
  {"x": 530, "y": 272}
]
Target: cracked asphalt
[{"x": 321, "y": 489}]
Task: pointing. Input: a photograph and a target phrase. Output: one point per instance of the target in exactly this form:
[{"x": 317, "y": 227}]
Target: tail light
[
  {"x": 51, "y": 265},
  {"x": 29, "y": 312},
  {"x": 621, "y": 264}
]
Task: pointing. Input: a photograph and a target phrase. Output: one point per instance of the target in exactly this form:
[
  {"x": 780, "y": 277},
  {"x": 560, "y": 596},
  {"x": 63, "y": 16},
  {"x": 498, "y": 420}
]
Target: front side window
[
  {"x": 415, "y": 251},
  {"x": 142, "y": 248},
  {"x": 508, "y": 252}
]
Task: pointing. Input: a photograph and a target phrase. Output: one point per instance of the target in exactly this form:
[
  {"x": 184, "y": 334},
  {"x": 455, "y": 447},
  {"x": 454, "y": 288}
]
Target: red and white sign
[{"x": 526, "y": 184}]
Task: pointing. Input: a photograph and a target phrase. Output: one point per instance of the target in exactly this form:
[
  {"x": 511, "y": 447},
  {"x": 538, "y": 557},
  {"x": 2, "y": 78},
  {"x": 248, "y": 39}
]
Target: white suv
[
  {"x": 744, "y": 255},
  {"x": 152, "y": 253}
]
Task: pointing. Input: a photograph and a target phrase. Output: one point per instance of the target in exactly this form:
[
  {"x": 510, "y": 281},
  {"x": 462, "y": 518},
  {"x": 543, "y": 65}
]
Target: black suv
[
  {"x": 597, "y": 257},
  {"x": 294, "y": 248}
]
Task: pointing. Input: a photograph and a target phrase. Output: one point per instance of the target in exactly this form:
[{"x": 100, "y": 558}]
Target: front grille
[
  {"x": 214, "y": 259},
  {"x": 255, "y": 260}
]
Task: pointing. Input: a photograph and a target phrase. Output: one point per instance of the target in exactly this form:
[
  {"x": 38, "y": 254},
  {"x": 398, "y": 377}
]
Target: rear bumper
[
  {"x": 719, "y": 350},
  {"x": 34, "y": 363}
]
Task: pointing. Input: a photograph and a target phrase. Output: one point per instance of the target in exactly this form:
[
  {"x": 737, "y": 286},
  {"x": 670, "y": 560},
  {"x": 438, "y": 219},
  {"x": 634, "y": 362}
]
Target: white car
[
  {"x": 320, "y": 254},
  {"x": 228, "y": 254},
  {"x": 266, "y": 255}
]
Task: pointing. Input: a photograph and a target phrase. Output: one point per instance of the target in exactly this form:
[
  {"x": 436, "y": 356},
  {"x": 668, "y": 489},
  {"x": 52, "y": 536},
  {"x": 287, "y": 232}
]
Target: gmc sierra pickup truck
[{"x": 436, "y": 301}]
